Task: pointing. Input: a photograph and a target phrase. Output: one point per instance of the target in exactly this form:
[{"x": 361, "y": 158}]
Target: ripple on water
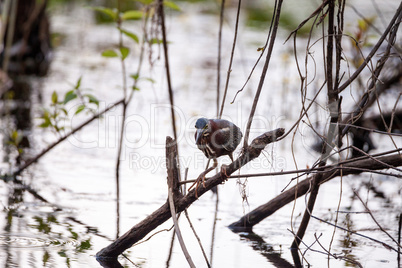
[{"x": 20, "y": 241}]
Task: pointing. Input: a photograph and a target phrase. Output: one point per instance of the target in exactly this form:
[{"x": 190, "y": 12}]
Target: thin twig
[
  {"x": 214, "y": 226},
  {"x": 231, "y": 58},
  {"x": 399, "y": 239},
  {"x": 314, "y": 170},
  {"x": 167, "y": 68},
  {"x": 328, "y": 251},
  {"x": 54, "y": 144},
  {"x": 391, "y": 25},
  {"x": 123, "y": 120},
  {"x": 265, "y": 210},
  {"x": 263, "y": 49},
  {"x": 218, "y": 82},
  {"x": 264, "y": 71},
  {"x": 315, "y": 13},
  {"x": 356, "y": 233},
  {"x": 326, "y": 149},
  {"x": 177, "y": 229},
  {"x": 197, "y": 237},
  {"x": 374, "y": 219}
]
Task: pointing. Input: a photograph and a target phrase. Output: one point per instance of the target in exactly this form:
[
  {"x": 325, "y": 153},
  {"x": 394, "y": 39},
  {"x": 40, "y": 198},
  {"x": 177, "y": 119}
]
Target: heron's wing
[{"x": 230, "y": 137}]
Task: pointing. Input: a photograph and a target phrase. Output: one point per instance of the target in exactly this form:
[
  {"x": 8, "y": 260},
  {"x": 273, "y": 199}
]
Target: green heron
[{"x": 215, "y": 137}]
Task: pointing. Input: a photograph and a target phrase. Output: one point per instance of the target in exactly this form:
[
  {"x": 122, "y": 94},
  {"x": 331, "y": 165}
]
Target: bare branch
[
  {"x": 264, "y": 72},
  {"x": 315, "y": 13},
  {"x": 393, "y": 23},
  {"x": 162, "y": 214},
  {"x": 231, "y": 59},
  {"x": 167, "y": 68},
  {"x": 54, "y": 144},
  {"x": 254, "y": 217},
  {"x": 374, "y": 219}
]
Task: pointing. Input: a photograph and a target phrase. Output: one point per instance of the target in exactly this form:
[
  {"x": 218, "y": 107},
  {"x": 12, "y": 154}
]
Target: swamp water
[{"x": 78, "y": 176}]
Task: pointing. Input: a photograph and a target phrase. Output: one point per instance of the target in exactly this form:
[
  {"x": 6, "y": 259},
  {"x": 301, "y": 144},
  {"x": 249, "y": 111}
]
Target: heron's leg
[
  {"x": 196, "y": 183},
  {"x": 209, "y": 160},
  {"x": 207, "y": 170},
  {"x": 201, "y": 177},
  {"x": 224, "y": 167}
]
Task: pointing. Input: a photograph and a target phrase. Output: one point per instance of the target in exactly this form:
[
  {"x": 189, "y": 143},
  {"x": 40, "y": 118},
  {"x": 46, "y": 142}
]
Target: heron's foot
[
  {"x": 224, "y": 173},
  {"x": 198, "y": 181}
]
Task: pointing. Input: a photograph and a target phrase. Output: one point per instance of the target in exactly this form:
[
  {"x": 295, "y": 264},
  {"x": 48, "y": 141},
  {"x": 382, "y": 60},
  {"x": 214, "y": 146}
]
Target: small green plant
[
  {"x": 361, "y": 39},
  {"x": 14, "y": 139},
  {"x": 55, "y": 116},
  {"x": 87, "y": 101}
]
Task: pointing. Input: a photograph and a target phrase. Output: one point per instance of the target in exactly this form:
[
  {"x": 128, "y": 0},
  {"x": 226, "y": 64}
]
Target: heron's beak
[{"x": 199, "y": 135}]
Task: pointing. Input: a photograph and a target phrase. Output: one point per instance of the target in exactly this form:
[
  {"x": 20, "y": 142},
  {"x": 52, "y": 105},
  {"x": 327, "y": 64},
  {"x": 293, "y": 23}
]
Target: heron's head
[{"x": 202, "y": 126}]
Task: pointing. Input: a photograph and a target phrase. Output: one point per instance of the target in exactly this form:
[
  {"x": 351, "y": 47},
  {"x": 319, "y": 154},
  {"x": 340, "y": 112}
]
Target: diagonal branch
[
  {"x": 162, "y": 214},
  {"x": 51, "y": 146},
  {"x": 231, "y": 58},
  {"x": 264, "y": 72},
  {"x": 393, "y": 23},
  {"x": 260, "y": 213}
]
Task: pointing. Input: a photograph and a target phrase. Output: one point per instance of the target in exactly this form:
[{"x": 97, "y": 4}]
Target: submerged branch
[{"x": 260, "y": 213}]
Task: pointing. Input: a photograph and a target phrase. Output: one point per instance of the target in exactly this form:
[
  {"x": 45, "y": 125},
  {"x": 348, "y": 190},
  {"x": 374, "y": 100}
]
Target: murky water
[{"x": 78, "y": 176}]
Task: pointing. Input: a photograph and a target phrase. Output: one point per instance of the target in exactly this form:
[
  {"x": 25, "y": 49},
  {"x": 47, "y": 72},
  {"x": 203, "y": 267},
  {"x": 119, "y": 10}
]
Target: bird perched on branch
[{"x": 215, "y": 137}]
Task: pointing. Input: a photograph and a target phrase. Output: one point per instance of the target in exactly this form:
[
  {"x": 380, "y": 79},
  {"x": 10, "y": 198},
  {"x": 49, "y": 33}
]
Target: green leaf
[
  {"x": 171, "y": 5},
  {"x": 62, "y": 253},
  {"x": 135, "y": 76},
  {"x": 45, "y": 124},
  {"x": 109, "y": 53},
  {"x": 46, "y": 119},
  {"x": 85, "y": 245},
  {"x": 136, "y": 88},
  {"x": 18, "y": 138},
  {"x": 362, "y": 25},
  {"x": 155, "y": 41},
  {"x": 150, "y": 80},
  {"x": 107, "y": 11},
  {"x": 131, "y": 35},
  {"x": 14, "y": 135},
  {"x": 45, "y": 258},
  {"x": 64, "y": 111},
  {"x": 92, "y": 99},
  {"x": 132, "y": 15},
  {"x": 70, "y": 95},
  {"x": 80, "y": 109},
  {"x": 78, "y": 84},
  {"x": 74, "y": 235},
  {"x": 124, "y": 52},
  {"x": 145, "y": 2},
  {"x": 54, "y": 97}
]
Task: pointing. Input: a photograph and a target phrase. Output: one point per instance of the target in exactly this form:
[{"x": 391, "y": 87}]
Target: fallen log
[{"x": 366, "y": 164}]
